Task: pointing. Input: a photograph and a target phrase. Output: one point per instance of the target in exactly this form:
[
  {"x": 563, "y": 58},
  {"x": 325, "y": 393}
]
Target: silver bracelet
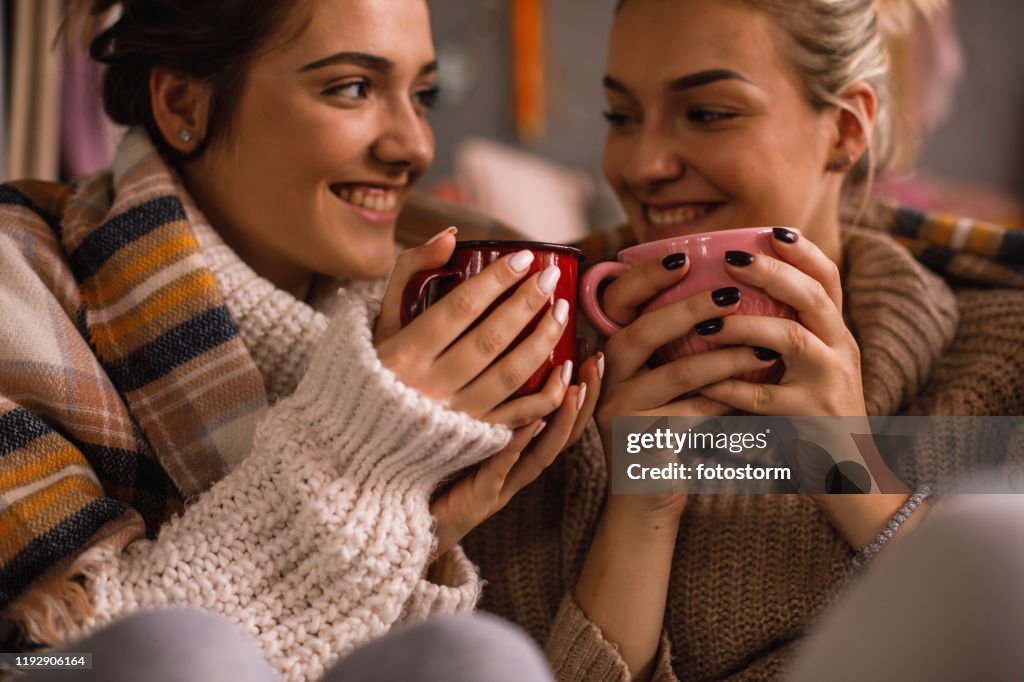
[{"x": 865, "y": 555}]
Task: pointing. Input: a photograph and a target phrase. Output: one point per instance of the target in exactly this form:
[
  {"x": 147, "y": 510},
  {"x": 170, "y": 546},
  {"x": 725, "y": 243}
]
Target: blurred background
[{"x": 519, "y": 126}]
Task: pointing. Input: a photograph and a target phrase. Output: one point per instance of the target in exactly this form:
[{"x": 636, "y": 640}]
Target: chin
[{"x": 372, "y": 264}]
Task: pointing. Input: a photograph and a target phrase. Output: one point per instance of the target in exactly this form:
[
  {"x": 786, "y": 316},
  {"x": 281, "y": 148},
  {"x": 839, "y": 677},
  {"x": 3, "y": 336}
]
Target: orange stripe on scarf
[
  {"x": 39, "y": 467},
  {"x": 71, "y": 494},
  {"x": 179, "y": 292},
  {"x": 129, "y": 272}
]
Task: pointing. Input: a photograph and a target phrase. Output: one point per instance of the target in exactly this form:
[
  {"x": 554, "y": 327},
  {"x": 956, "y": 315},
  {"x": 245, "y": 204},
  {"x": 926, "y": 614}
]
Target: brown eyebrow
[
  {"x": 693, "y": 80},
  {"x": 365, "y": 60}
]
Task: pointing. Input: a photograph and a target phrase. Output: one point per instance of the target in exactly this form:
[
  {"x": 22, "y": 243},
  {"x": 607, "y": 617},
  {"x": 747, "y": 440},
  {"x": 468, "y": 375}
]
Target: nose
[
  {"x": 655, "y": 157},
  {"x": 406, "y": 139}
]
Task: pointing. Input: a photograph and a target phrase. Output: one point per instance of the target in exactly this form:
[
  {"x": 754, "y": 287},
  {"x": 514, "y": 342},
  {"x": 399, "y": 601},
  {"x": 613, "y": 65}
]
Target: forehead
[
  {"x": 655, "y": 41},
  {"x": 396, "y": 29}
]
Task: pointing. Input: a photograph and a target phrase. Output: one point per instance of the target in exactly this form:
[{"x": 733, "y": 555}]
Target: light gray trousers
[{"x": 182, "y": 645}]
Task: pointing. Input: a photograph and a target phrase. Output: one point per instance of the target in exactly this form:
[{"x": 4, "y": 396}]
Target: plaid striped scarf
[{"x": 125, "y": 389}]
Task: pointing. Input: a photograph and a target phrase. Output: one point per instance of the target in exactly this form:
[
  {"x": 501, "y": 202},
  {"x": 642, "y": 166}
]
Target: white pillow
[{"x": 540, "y": 198}]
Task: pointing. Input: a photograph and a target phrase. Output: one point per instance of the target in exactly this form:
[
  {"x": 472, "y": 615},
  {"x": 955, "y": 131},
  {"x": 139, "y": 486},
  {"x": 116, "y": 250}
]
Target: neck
[
  {"x": 271, "y": 266},
  {"x": 283, "y": 274},
  {"x": 831, "y": 244},
  {"x": 821, "y": 225}
]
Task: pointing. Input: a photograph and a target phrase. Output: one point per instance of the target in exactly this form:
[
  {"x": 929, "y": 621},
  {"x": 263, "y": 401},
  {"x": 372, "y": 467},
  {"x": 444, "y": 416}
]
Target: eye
[
  {"x": 353, "y": 90},
  {"x": 706, "y": 116},
  {"x": 616, "y": 119},
  {"x": 427, "y": 98}
]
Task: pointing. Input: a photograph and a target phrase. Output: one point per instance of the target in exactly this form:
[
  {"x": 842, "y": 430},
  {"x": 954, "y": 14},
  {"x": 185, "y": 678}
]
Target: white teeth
[
  {"x": 672, "y": 216},
  {"x": 373, "y": 198}
]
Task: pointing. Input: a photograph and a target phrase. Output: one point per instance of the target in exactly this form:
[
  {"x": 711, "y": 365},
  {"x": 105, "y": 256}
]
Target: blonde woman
[{"x": 726, "y": 114}]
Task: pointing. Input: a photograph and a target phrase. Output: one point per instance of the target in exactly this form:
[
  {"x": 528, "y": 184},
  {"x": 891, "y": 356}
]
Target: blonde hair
[{"x": 834, "y": 44}]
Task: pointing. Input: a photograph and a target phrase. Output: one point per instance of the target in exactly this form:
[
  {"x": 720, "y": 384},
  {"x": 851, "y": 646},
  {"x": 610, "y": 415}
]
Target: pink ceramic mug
[{"x": 706, "y": 253}]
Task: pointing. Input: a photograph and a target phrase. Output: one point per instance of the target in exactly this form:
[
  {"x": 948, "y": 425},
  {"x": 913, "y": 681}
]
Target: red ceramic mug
[{"x": 470, "y": 257}]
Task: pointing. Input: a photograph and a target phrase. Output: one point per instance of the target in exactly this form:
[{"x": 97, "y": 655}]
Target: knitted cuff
[
  {"x": 377, "y": 428},
  {"x": 663, "y": 661},
  {"x": 452, "y": 585},
  {"x": 577, "y": 649}
]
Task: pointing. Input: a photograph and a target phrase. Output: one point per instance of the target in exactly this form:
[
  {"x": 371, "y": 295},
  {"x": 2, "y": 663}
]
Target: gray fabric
[
  {"x": 179, "y": 645},
  {"x": 170, "y": 645},
  {"x": 447, "y": 649},
  {"x": 944, "y": 604}
]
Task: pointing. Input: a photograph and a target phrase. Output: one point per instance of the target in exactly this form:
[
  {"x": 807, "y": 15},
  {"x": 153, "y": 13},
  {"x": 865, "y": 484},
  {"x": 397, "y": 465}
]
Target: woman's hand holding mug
[
  {"x": 821, "y": 357},
  {"x": 671, "y": 296},
  {"x": 822, "y": 361},
  {"x": 471, "y": 358}
]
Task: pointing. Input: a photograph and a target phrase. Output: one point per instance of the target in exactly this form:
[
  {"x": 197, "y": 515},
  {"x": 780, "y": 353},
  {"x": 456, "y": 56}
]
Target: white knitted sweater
[{"x": 318, "y": 540}]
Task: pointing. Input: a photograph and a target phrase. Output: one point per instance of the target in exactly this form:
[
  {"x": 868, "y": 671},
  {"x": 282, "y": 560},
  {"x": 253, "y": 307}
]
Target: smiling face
[
  {"x": 327, "y": 140},
  {"x": 709, "y": 128}
]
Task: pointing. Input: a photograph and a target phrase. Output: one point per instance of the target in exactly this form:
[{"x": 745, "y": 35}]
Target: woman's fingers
[
  {"x": 445, "y": 321},
  {"x": 764, "y": 399},
  {"x": 433, "y": 254},
  {"x": 640, "y": 284},
  {"x": 696, "y": 406},
  {"x": 477, "y": 349},
  {"x": 631, "y": 347},
  {"x": 815, "y": 305},
  {"x": 483, "y": 398},
  {"x": 545, "y": 447},
  {"x": 763, "y": 335},
  {"x": 819, "y": 379},
  {"x": 474, "y": 497},
  {"x": 686, "y": 375},
  {"x": 494, "y": 471},
  {"x": 590, "y": 375},
  {"x": 805, "y": 255}
]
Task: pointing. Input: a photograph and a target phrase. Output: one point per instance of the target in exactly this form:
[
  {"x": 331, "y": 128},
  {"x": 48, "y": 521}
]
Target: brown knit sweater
[{"x": 752, "y": 572}]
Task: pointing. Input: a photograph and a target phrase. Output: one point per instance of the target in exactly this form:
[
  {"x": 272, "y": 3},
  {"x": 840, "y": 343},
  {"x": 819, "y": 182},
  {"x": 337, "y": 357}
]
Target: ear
[
  {"x": 180, "y": 107},
  {"x": 854, "y": 122}
]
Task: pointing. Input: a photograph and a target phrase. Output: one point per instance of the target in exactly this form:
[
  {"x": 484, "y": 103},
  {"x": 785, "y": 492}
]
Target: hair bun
[{"x": 896, "y": 17}]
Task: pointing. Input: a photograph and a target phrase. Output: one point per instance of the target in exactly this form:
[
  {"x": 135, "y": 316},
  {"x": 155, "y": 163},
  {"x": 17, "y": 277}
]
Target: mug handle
[
  {"x": 416, "y": 290},
  {"x": 589, "y": 285}
]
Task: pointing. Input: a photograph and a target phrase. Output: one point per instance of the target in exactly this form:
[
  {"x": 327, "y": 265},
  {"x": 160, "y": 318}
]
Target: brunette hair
[
  {"x": 834, "y": 44},
  {"x": 213, "y": 41}
]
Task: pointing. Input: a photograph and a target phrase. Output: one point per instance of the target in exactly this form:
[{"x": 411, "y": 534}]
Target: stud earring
[
  {"x": 839, "y": 164},
  {"x": 185, "y": 135}
]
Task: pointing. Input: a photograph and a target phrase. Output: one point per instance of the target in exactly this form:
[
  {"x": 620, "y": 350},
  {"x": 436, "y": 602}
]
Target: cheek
[
  {"x": 765, "y": 164},
  {"x": 330, "y": 148},
  {"x": 428, "y": 133},
  {"x": 616, "y": 151},
  {"x": 306, "y": 141}
]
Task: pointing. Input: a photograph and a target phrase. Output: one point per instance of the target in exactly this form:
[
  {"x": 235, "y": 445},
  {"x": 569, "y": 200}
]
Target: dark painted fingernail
[
  {"x": 765, "y": 353},
  {"x": 784, "y": 235},
  {"x": 725, "y": 296},
  {"x": 739, "y": 258},
  {"x": 674, "y": 261},
  {"x": 709, "y": 327}
]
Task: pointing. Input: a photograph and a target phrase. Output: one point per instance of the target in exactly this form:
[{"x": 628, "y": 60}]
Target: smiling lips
[
  {"x": 373, "y": 198},
  {"x": 678, "y": 214}
]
